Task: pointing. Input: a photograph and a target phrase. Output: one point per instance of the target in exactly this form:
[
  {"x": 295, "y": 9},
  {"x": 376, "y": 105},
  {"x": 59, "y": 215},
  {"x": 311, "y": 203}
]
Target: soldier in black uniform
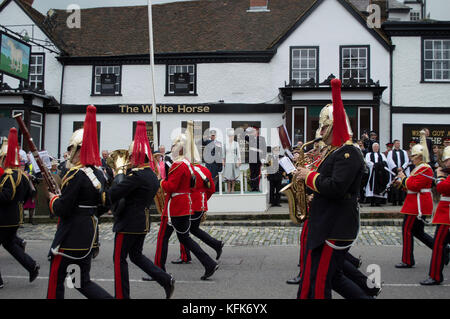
[
  {"x": 334, "y": 215},
  {"x": 15, "y": 189},
  {"x": 132, "y": 223},
  {"x": 82, "y": 200}
]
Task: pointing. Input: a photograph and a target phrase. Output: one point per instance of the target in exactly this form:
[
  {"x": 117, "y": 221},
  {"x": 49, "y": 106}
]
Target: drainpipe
[
  {"x": 391, "y": 89},
  {"x": 60, "y": 111}
]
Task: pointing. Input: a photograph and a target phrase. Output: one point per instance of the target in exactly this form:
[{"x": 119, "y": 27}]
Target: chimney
[
  {"x": 259, "y": 6},
  {"x": 383, "y": 6},
  {"x": 29, "y": 2}
]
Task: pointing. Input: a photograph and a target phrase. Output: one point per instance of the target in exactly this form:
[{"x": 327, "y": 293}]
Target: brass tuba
[
  {"x": 296, "y": 190},
  {"x": 118, "y": 160}
]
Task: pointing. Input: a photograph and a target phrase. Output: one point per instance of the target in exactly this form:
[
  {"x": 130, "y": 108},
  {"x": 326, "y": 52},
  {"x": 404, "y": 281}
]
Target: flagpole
[{"x": 152, "y": 69}]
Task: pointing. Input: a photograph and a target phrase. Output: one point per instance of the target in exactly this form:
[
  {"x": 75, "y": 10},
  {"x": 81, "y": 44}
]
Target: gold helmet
[
  {"x": 178, "y": 146},
  {"x": 417, "y": 150},
  {"x": 326, "y": 119},
  {"x": 75, "y": 144},
  {"x": 446, "y": 154},
  {"x": 421, "y": 149}
]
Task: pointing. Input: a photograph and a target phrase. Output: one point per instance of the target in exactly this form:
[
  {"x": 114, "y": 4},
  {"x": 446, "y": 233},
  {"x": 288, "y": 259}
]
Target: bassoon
[{"x": 52, "y": 185}]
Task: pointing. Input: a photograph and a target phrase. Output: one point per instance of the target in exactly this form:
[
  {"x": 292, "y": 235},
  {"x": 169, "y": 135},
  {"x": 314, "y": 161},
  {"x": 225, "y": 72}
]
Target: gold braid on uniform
[{"x": 8, "y": 175}]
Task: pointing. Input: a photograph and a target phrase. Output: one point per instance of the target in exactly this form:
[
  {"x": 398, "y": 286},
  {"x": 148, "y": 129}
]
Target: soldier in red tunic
[
  {"x": 204, "y": 188},
  {"x": 441, "y": 218},
  {"x": 178, "y": 207},
  {"x": 418, "y": 204}
]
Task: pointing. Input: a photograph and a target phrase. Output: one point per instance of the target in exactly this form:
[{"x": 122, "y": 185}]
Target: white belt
[
  {"x": 178, "y": 194},
  {"x": 425, "y": 190},
  {"x": 169, "y": 222},
  {"x": 445, "y": 198},
  {"x": 84, "y": 206}
]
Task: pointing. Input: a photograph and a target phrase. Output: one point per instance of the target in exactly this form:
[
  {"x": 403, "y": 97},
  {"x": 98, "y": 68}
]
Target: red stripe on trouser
[
  {"x": 117, "y": 273},
  {"x": 435, "y": 252},
  {"x": 53, "y": 280},
  {"x": 304, "y": 293},
  {"x": 183, "y": 253},
  {"x": 407, "y": 238},
  {"x": 438, "y": 248},
  {"x": 303, "y": 245},
  {"x": 159, "y": 242},
  {"x": 322, "y": 271}
]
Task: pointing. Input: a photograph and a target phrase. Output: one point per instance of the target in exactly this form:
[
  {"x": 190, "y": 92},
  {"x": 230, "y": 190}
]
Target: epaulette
[
  {"x": 8, "y": 176},
  {"x": 69, "y": 175}
]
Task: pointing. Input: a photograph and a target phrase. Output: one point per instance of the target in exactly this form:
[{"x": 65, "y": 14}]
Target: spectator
[
  {"x": 398, "y": 160},
  {"x": 389, "y": 147},
  {"x": 361, "y": 147},
  {"x": 257, "y": 153},
  {"x": 275, "y": 177},
  {"x": 106, "y": 169},
  {"x": 160, "y": 163},
  {"x": 446, "y": 142},
  {"x": 213, "y": 157},
  {"x": 231, "y": 161},
  {"x": 62, "y": 166},
  {"x": 369, "y": 140},
  {"x": 434, "y": 156},
  {"x": 378, "y": 176}
]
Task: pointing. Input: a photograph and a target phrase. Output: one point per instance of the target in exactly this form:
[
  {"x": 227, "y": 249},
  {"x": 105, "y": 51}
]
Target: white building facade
[{"x": 420, "y": 80}]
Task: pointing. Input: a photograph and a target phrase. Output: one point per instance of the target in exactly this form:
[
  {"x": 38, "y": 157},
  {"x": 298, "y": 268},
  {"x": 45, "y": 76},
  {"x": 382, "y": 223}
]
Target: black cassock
[{"x": 379, "y": 176}]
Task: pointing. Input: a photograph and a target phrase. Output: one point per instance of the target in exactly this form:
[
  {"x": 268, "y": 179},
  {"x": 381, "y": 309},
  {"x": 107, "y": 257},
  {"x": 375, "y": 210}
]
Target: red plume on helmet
[
  {"x": 340, "y": 131},
  {"x": 141, "y": 147},
  {"x": 89, "y": 154},
  {"x": 12, "y": 155}
]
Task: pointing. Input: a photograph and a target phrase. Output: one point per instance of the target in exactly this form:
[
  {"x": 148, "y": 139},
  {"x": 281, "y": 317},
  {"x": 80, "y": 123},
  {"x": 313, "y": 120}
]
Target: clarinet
[{"x": 52, "y": 185}]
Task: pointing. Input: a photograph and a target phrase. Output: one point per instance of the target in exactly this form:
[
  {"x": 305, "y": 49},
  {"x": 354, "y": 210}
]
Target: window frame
[
  {"x": 93, "y": 92},
  {"x": 291, "y": 50},
  {"x": 168, "y": 93},
  {"x": 43, "y": 69},
  {"x": 359, "y": 118},
  {"x": 342, "y": 47},
  {"x": 305, "y": 124},
  {"x": 422, "y": 66},
  {"x": 414, "y": 12},
  {"x": 39, "y": 125}
]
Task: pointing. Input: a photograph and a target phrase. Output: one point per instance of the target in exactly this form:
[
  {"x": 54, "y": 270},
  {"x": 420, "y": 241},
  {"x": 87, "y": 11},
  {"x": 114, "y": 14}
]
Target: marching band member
[
  {"x": 178, "y": 206},
  {"x": 204, "y": 188},
  {"x": 418, "y": 203},
  {"x": 132, "y": 223},
  {"x": 14, "y": 190},
  {"x": 440, "y": 255},
  {"x": 82, "y": 200},
  {"x": 334, "y": 215}
]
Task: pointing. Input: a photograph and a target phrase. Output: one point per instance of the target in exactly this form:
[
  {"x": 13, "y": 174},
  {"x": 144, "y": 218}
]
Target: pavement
[{"x": 386, "y": 215}]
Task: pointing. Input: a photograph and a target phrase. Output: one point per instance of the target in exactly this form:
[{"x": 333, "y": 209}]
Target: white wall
[
  {"x": 11, "y": 16},
  {"x": 51, "y": 134},
  {"x": 407, "y": 64},
  {"x": 230, "y": 82}
]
